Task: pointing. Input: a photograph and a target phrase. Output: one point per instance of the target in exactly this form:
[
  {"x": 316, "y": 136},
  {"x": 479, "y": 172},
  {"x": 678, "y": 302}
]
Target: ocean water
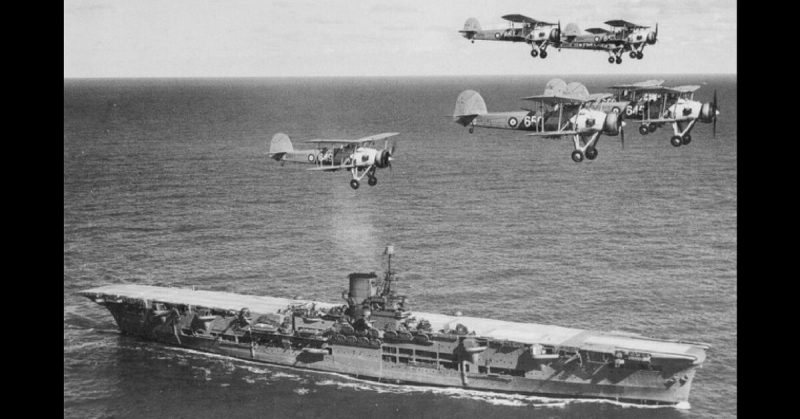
[{"x": 167, "y": 182}]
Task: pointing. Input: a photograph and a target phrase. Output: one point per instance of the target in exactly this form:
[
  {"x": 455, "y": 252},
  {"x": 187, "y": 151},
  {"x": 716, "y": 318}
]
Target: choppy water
[{"x": 167, "y": 182}]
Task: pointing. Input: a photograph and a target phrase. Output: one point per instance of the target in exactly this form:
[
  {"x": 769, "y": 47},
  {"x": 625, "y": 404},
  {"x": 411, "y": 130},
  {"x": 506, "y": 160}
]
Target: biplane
[
  {"x": 563, "y": 110},
  {"x": 623, "y": 36},
  {"x": 655, "y": 105},
  {"x": 358, "y": 156},
  {"x": 538, "y": 34}
]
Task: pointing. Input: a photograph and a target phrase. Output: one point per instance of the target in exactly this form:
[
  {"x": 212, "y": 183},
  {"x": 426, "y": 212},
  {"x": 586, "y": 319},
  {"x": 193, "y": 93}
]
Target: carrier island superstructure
[{"x": 374, "y": 335}]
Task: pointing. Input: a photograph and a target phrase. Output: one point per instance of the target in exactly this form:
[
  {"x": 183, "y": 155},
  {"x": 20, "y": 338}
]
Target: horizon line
[{"x": 391, "y": 76}]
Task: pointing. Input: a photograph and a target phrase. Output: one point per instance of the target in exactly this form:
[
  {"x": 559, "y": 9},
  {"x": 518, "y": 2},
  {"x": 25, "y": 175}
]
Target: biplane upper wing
[
  {"x": 686, "y": 89},
  {"x": 556, "y": 99},
  {"x": 619, "y": 23},
  {"x": 517, "y": 18},
  {"x": 596, "y": 97},
  {"x": 375, "y": 137},
  {"x": 598, "y": 31},
  {"x": 638, "y": 85},
  {"x": 657, "y": 89}
]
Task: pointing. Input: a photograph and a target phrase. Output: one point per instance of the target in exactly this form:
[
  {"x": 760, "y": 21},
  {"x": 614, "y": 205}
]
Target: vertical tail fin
[
  {"x": 469, "y": 104},
  {"x": 471, "y": 25},
  {"x": 572, "y": 29},
  {"x": 280, "y": 145}
]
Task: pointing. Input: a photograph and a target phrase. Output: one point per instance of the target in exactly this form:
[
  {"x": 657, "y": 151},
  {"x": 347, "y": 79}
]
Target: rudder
[
  {"x": 280, "y": 145},
  {"x": 572, "y": 29},
  {"x": 469, "y": 104},
  {"x": 471, "y": 25}
]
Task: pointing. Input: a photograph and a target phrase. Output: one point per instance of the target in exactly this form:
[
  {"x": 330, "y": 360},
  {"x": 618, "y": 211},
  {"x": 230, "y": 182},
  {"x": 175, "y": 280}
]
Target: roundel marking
[
  {"x": 596, "y": 39},
  {"x": 311, "y": 157},
  {"x": 512, "y": 122}
]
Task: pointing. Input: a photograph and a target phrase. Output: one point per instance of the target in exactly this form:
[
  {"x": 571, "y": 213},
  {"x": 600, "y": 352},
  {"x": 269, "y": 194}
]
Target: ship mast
[{"x": 387, "y": 280}]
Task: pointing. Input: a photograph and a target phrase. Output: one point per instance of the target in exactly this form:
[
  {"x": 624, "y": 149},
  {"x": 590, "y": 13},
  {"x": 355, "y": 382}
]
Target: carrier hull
[{"x": 499, "y": 365}]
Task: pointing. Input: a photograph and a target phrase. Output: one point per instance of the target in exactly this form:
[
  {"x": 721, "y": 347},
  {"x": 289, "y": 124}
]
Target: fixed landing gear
[
  {"x": 591, "y": 153},
  {"x": 639, "y": 55},
  {"x": 676, "y": 141},
  {"x": 471, "y": 130},
  {"x": 619, "y": 60},
  {"x": 611, "y": 60},
  {"x": 354, "y": 184},
  {"x": 577, "y": 156},
  {"x": 543, "y": 54},
  {"x": 652, "y": 127},
  {"x": 643, "y": 129},
  {"x": 534, "y": 53},
  {"x": 632, "y": 54},
  {"x": 372, "y": 181},
  {"x": 686, "y": 139}
]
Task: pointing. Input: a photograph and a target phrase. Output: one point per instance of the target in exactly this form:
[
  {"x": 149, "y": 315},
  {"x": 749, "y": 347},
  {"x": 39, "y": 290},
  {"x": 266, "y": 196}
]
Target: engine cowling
[
  {"x": 707, "y": 112},
  {"x": 555, "y": 35},
  {"x": 382, "y": 158},
  {"x": 612, "y": 123},
  {"x": 651, "y": 38}
]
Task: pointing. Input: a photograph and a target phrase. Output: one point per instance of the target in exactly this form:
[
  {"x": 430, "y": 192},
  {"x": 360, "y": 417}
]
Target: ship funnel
[{"x": 362, "y": 286}]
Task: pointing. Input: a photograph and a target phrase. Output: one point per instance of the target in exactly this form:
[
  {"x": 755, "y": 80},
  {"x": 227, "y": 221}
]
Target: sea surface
[{"x": 167, "y": 182}]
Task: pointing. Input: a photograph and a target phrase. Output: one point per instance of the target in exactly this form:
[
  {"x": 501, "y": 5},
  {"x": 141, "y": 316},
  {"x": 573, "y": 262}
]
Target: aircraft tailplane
[
  {"x": 469, "y": 105},
  {"x": 280, "y": 145}
]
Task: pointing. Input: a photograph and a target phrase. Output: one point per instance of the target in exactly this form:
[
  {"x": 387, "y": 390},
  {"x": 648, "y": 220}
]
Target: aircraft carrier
[{"x": 373, "y": 334}]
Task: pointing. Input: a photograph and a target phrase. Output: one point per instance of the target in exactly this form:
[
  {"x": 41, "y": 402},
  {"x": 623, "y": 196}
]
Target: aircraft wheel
[
  {"x": 643, "y": 129},
  {"x": 534, "y": 53},
  {"x": 639, "y": 55},
  {"x": 577, "y": 156},
  {"x": 611, "y": 60},
  {"x": 372, "y": 181},
  {"x": 619, "y": 60},
  {"x": 591, "y": 153},
  {"x": 354, "y": 184},
  {"x": 676, "y": 141},
  {"x": 632, "y": 54},
  {"x": 543, "y": 54},
  {"x": 686, "y": 139},
  {"x": 652, "y": 127},
  {"x": 471, "y": 130}
]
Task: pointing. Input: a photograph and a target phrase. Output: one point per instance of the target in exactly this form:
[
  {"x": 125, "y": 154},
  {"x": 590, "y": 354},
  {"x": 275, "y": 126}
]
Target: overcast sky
[{"x": 257, "y": 38}]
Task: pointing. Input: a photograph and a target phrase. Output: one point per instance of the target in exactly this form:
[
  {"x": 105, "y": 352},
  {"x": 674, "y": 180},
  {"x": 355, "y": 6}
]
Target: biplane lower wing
[
  {"x": 325, "y": 168},
  {"x": 660, "y": 120},
  {"x": 552, "y": 133}
]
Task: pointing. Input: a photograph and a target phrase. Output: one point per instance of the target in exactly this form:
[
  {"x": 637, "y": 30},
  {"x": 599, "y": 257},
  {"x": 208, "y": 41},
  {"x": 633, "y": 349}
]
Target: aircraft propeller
[
  {"x": 714, "y": 115},
  {"x": 652, "y": 39},
  {"x": 386, "y": 154},
  {"x": 559, "y": 31},
  {"x": 622, "y": 130}
]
